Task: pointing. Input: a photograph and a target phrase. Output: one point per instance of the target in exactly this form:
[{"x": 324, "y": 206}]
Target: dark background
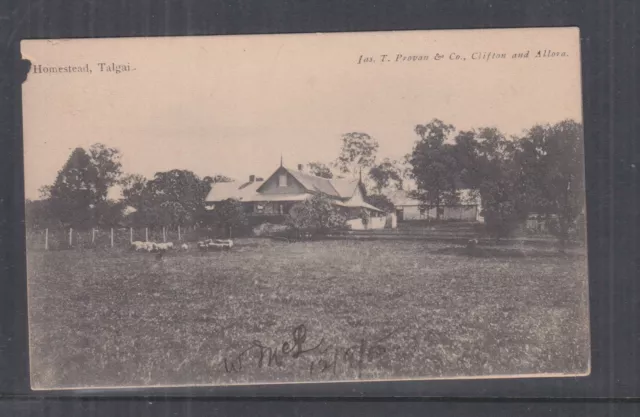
[{"x": 610, "y": 66}]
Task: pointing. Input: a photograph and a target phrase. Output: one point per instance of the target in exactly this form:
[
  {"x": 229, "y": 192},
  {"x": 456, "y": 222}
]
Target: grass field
[{"x": 328, "y": 310}]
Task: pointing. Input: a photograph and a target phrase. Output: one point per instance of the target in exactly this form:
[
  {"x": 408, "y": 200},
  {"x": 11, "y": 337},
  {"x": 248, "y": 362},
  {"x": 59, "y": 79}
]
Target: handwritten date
[{"x": 326, "y": 358}]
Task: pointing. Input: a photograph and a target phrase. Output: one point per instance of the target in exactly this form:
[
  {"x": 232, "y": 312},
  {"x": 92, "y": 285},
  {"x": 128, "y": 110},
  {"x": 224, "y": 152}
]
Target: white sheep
[
  {"x": 184, "y": 246},
  {"x": 215, "y": 244},
  {"x": 137, "y": 246},
  {"x": 163, "y": 247}
]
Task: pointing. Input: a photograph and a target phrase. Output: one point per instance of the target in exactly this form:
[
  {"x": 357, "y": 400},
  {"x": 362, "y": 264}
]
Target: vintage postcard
[{"x": 306, "y": 208}]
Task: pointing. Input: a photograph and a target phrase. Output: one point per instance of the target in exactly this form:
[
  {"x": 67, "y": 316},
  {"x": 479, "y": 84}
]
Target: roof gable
[
  {"x": 314, "y": 183},
  {"x": 335, "y": 187}
]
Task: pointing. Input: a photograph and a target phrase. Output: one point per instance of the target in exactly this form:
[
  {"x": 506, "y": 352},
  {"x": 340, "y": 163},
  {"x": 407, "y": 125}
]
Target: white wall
[
  {"x": 469, "y": 213},
  {"x": 374, "y": 223}
]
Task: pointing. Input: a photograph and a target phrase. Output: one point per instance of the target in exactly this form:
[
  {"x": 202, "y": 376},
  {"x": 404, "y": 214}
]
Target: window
[
  {"x": 282, "y": 180},
  {"x": 259, "y": 208}
]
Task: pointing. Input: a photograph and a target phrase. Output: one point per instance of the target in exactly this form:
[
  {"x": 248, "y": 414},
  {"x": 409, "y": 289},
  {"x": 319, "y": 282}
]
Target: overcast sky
[{"x": 233, "y": 105}]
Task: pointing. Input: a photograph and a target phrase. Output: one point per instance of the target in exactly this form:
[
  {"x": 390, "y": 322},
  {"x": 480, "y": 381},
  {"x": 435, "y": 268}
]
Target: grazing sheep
[
  {"x": 163, "y": 246},
  {"x": 217, "y": 244},
  {"x": 184, "y": 246},
  {"x": 138, "y": 246}
]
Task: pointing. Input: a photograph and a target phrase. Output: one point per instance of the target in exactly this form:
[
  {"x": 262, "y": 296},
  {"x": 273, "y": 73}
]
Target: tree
[
  {"x": 434, "y": 165},
  {"x": 229, "y": 214},
  {"x": 385, "y": 174},
  {"x": 552, "y": 164},
  {"x": 133, "y": 188},
  {"x": 216, "y": 179},
  {"x": 358, "y": 152},
  {"x": 380, "y": 201},
  {"x": 107, "y": 164},
  {"x": 171, "y": 198},
  {"x": 487, "y": 164},
  {"x": 316, "y": 215},
  {"x": 74, "y": 194},
  {"x": 109, "y": 213},
  {"x": 38, "y": 214},
  {"x": 319, "y": 169},
  {"x": 79, "y": 193}
]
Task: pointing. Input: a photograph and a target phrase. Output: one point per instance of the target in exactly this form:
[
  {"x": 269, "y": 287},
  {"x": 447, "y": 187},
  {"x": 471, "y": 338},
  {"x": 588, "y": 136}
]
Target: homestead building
[
  {"x": 270, "y": 199},
  {"x": 409, "y": 208}
]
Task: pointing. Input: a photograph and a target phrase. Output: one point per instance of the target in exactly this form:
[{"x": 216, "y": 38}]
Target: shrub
[{"x": 316, "y": 216}]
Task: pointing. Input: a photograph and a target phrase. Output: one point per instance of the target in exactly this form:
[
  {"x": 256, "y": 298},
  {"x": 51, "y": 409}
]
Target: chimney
[
  {"x": 252, "y": 178},
  {"x": 300, "y": 167}
]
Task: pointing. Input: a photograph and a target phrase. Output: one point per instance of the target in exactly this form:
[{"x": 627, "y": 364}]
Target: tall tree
[
  {"x": 487, "y": 164},
  {"x": 133, "y": 188},
  {"x": 358, "y": 153},
  {"x": 385, "y": 174},
  {"x": 434, "y": 165},
  {"x": 79, "y": 193},
  {"x": 74, "y": 194},
  {"x": 552, "y": 161},
  {"x": 319, "y": 169},
  {"x": 107, "y": 164},
  {"x": 171, "y": 198}
]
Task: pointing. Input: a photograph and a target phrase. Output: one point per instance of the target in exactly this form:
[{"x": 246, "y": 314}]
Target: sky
[{"x": 234, "y": 105}]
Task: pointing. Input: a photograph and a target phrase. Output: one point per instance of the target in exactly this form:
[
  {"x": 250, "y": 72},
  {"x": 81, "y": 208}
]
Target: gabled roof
[
  {"x": 336, "y": 187},
  {"x": 342, "y": 189}
]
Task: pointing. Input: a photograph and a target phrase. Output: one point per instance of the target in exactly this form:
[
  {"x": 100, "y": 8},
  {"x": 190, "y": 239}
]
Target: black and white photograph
[{"x": 305, "y": 208}]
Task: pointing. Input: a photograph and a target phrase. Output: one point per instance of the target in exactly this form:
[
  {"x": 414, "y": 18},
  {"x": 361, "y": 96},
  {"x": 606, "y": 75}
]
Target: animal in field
[
  {"x": 471, "y": 246},
  {"x": 151, "y": 247},
  {"x": 215, "y": 244}
]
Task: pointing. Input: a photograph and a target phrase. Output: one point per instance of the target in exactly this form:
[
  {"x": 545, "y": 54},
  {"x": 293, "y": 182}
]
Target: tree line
[
  {"x": 78, "y": 197},
  {"x": 538, "y": 172}
]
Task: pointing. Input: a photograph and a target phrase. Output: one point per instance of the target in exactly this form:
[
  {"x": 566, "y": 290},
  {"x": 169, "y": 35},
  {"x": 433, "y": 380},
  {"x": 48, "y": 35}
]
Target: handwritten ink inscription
[{"x": 323, "y": 357}]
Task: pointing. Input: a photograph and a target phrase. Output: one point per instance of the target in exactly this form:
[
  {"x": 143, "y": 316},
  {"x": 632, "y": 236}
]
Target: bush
[{"x": 315, "y": 216}]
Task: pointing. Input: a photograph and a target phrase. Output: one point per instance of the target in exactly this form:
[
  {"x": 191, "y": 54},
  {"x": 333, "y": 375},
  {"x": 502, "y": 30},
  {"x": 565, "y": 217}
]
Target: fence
[{"x": 56, "y": 238}]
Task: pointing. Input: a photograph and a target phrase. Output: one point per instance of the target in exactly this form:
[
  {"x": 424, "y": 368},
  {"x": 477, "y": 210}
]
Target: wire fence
[{"x": 122, "y": 237}]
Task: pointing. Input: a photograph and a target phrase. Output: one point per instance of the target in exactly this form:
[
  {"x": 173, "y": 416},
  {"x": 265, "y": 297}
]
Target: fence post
[
  {"x": 179, "y": 236},
  {"x": 93, "y": 235},
  {"x": 131, "y": 235},
  {"x": 112, "y": 237},
  {"x": 164, "y": 234},
  {"x": 46, "y": 239},
  {"x": 70, "y": 236},
  {"x": 146, "y": 234}
]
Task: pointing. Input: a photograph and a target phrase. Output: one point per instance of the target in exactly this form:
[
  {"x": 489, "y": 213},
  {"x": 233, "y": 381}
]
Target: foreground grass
[{"x": 392, "y": 309}]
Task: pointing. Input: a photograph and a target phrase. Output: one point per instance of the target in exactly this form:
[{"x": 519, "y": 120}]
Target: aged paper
[{"x": 305, "y": 208}]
